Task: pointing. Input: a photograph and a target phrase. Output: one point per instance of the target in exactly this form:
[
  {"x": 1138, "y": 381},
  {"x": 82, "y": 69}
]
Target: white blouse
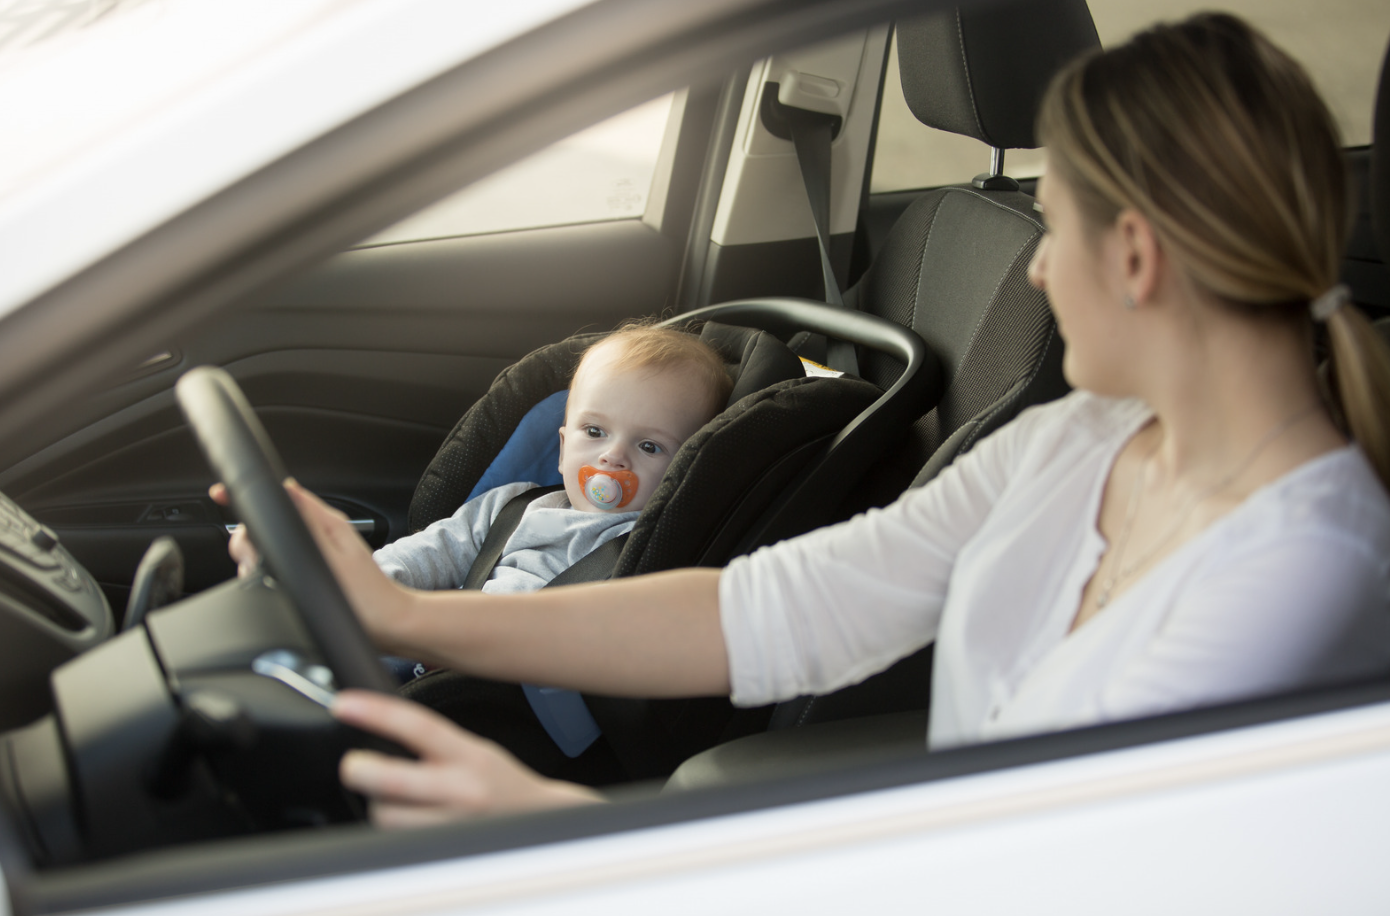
[{"x": 1290, "y": 590}]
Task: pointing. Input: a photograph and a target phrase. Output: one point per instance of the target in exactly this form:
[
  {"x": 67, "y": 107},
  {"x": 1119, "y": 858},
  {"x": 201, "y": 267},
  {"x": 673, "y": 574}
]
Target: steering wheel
[{"x": 241, "y": 455}]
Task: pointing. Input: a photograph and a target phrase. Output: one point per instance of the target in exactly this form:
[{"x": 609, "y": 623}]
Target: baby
[{"x": 636, "y": 396}]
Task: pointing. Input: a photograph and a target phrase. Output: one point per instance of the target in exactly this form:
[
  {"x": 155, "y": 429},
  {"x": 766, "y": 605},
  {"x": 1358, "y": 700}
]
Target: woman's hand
[
  {"x": 457, "y": 775},
  {"x": 379, "y": 602},
  {"x": 242, "y": 551}
]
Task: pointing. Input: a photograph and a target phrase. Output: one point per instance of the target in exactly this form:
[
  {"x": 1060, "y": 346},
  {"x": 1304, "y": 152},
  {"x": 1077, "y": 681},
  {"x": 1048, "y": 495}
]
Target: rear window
[
  {"x": 1340, "y": 42},
  {"x": 599, "y": 174}
]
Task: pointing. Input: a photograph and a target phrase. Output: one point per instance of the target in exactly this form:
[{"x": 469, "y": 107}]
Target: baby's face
[{"x": 632, "y": 420}]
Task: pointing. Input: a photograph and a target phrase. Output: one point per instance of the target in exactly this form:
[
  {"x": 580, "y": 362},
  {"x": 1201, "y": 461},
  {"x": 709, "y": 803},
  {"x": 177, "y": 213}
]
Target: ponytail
[{"x": 1360, "y": 385}]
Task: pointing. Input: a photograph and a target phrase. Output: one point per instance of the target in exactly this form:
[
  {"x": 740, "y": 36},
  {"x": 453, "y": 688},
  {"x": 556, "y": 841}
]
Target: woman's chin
[{"x": 1089, "y": 378}]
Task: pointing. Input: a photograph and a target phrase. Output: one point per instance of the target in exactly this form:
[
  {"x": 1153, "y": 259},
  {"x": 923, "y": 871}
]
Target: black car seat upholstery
[{"x": 954, "y": 269}]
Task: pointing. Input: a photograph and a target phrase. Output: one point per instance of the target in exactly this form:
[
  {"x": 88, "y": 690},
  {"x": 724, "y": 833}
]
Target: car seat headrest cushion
[
  {"x": 756, "y": 359},
  {"x": 533, "y": 451},
  {"x": 982, "y": 73},
  {"x": 483, "y": 431},
  {"x": 738, "y": 463}
]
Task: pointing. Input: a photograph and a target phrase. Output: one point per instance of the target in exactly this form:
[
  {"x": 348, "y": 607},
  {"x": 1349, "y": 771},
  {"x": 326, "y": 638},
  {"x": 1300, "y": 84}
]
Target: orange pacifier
[{"x": 607, "y": 489}]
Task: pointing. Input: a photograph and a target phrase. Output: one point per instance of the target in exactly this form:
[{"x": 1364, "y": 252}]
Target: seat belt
[
  {"x": 499, "y": 533},
  {"x": 811, "y": 135},
  {"x": 595, "y": 566}
]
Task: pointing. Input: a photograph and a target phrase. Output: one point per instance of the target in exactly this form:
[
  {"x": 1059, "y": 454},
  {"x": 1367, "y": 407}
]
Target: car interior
[{"x": 389, "y": 377}]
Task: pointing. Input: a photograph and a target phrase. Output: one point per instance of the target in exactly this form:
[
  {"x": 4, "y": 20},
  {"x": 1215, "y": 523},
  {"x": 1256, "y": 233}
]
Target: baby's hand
[{"x": 242, "y": 551}]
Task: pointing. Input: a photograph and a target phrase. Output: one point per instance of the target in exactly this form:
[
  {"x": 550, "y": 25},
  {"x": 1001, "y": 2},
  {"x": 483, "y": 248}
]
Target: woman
[{"x": 1189, "y": 527}]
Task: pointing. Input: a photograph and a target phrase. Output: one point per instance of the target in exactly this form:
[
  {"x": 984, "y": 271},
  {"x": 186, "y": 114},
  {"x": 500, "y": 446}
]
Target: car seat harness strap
[
  {"x": 562, "y": 713},
  {"x": 499, "y": 533}
]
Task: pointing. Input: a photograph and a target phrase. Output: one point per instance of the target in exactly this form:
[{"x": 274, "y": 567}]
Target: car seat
[
  {"x": 780, "y": 425},
  {"x": 954, "y": 266},
  {"x": 954, "y": 269}
]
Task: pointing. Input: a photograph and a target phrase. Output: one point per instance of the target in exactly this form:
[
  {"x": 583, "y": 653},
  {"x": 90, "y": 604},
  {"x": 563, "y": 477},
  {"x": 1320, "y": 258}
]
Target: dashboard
[
  {"x": 206, "y": 718},
  {"x": 51, "y": 610}
]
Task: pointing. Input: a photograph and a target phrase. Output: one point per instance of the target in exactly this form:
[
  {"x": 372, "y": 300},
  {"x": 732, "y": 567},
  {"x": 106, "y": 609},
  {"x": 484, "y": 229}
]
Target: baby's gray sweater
[{"x": 552, "y": 537}]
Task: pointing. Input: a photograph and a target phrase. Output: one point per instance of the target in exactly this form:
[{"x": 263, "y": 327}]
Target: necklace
[{"x": 1120, "y": 572}]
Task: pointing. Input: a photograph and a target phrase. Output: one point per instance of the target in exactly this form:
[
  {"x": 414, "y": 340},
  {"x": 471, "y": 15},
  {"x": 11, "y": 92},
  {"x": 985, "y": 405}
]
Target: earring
[{"x": 1130, "y": 304}]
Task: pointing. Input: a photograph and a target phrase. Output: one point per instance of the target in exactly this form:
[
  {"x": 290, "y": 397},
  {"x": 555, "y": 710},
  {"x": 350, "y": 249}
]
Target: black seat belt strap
[
  {"x": 594, "y": 566},
  {"x": 811, "y": 134},
  {"x": 499, "y": 533}
]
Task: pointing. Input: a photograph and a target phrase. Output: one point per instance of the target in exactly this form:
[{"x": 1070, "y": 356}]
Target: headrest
[
  {"x": 1380, "y": 163},
  {"x": 982, "y": 74}
]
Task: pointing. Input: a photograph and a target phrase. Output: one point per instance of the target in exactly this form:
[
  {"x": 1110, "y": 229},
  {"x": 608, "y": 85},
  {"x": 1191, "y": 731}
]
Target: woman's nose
[{"x": 1035, "y": 266}]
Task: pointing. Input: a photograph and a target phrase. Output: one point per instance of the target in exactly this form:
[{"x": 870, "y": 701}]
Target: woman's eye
[{"x": 651, "y": 448}]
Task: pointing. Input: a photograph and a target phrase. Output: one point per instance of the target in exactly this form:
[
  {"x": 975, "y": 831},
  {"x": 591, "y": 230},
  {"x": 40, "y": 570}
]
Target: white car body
[
  {"x": 1285, "y": 818},
  {"x": 1265, "y": 809}
]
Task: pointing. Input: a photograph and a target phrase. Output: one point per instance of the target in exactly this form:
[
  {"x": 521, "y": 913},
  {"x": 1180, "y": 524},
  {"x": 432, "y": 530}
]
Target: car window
[
  {"x": 603, "y": 173},
  {"x": 1340, "y": 42}
]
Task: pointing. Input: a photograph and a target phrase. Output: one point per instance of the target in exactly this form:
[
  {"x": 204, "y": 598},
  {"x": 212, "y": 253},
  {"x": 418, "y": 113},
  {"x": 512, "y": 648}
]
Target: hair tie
[{"x": 1322, "y": 307}]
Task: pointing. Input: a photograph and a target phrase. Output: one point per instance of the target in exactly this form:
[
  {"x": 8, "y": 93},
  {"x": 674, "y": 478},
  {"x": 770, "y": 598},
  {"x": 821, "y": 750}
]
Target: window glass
[
  {"x": 1340, "y": 42},
  {"x": 603, "y": 173}
]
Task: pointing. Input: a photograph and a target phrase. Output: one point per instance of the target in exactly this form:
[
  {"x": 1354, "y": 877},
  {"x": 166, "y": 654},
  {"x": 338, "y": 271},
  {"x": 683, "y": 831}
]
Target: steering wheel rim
[{"x": 241, "y": 455}]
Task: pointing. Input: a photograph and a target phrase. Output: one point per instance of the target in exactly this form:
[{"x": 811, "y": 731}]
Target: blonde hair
[
  {"x": 1220, "y": 140},
  {"x": 644, "y": 346}
]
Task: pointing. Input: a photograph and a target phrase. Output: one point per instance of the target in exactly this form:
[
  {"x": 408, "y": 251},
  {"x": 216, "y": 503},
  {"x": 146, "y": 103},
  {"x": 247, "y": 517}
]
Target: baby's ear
[{"x": 562, "y": 445}]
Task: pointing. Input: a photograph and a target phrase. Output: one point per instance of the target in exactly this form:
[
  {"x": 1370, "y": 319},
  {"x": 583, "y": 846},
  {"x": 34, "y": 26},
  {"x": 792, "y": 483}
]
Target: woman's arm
[{"x": 648, "y": 636}]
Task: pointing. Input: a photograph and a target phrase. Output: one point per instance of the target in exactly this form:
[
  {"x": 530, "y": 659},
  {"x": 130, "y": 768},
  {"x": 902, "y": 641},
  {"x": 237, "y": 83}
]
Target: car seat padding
[{"x": 532, "y": 452}]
